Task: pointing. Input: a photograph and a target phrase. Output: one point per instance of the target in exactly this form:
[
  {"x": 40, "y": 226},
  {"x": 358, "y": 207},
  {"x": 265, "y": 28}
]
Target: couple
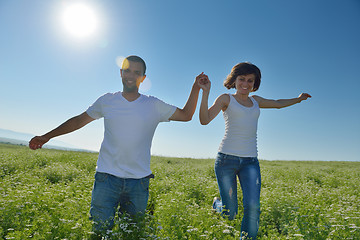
[{"x": 130, "y": 119}]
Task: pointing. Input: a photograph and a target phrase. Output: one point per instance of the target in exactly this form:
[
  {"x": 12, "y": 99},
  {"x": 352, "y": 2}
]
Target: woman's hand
[
  {"x": 304, "y": 96},
  {"x": 204, "y": 82}
]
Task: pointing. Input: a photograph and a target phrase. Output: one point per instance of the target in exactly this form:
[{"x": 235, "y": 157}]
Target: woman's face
[{"x": 244, "y": 84}]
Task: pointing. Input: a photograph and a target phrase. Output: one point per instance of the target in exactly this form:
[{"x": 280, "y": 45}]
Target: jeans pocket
[
  {"x": 255, "y": 160},
  {"x": 220, "y": 160},
  {"x": 100, "y": 177},
  {"x": 145, "y": 183}
]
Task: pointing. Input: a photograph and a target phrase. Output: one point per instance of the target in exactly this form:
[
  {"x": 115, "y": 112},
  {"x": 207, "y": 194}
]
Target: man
[{"x": 123, "y": 166}]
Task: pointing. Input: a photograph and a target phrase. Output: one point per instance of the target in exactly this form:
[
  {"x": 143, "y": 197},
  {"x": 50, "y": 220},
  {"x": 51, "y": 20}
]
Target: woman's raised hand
[{"x": 203, "y": 82}]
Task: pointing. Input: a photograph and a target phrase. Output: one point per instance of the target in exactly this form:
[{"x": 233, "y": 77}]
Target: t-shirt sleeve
[
  {"x": 165, "y": 110},
  {"x": 95, "y": 110}
]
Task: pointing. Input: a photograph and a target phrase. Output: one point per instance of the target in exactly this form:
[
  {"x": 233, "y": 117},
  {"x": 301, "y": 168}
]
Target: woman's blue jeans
[
  {"x": 247, "y": 169},
  {"x": 109, "y": 192}
]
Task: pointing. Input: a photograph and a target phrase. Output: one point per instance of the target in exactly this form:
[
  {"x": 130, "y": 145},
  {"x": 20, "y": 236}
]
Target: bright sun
[{"x": 79, "y": 20}]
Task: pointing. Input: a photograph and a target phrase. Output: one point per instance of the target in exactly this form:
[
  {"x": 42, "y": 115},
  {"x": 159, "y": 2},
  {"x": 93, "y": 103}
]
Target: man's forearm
[
  {"x": 191, "y": 103},
  {"x": 69, "y": 126}
]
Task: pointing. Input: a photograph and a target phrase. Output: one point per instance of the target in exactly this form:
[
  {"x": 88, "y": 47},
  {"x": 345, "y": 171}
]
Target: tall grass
[{"x": 45, "y": 194}]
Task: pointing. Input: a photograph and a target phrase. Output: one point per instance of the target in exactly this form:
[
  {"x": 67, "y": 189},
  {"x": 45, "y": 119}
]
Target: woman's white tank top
[{"x": 241, "y": 122}]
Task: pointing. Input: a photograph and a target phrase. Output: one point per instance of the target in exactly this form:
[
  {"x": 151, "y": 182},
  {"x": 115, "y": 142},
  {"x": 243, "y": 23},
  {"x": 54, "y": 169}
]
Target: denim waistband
[{"x": 233, "y": 157}]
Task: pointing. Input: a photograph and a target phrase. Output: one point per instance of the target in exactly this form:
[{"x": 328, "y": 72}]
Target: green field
[{"x": 45, "y": 194}]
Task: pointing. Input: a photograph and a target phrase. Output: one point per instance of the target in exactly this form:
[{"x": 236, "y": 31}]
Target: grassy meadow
[{"x": 45, "y": 194}]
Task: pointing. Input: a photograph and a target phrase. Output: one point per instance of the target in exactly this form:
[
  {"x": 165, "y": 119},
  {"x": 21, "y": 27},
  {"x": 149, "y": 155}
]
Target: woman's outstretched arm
[{"x": 280, "y": 103}]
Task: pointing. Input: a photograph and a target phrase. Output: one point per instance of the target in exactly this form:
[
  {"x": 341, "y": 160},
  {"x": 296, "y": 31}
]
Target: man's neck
[{"x": 131, "y": 96}]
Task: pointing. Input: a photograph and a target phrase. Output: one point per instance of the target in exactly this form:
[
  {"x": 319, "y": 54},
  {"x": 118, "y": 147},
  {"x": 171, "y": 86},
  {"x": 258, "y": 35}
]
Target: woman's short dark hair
[
  {"x": 244, "y": 68},
  {"x": 134, "y": 58}
]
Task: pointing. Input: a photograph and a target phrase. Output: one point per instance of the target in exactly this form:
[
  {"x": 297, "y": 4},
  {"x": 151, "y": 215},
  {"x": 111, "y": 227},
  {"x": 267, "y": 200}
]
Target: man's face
[{"x": 132, "y": 74}]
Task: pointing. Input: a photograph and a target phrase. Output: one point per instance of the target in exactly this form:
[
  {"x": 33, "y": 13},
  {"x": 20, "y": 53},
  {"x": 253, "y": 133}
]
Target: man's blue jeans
[
  {"x": 247, "y": 169},
  {"x": 109, "y": 192}
]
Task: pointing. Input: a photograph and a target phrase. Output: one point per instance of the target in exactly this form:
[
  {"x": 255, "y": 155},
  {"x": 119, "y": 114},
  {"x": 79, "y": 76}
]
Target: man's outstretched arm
[{"x": 70, "y": 125}]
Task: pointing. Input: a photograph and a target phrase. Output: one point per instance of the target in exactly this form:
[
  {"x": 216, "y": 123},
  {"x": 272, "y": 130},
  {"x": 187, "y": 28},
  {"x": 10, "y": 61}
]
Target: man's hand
[
  {"x": 203, "y": 82},
  {"x": 37, "y": 142}
]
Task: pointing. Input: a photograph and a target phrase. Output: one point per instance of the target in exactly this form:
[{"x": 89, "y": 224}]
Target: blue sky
[{"x": 47, "y": 75}]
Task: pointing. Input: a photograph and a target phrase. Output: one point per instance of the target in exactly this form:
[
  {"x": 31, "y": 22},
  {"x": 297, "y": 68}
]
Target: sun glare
[
  {"x": 145, "y": 86},
  {"x": 79, "y": 20}
]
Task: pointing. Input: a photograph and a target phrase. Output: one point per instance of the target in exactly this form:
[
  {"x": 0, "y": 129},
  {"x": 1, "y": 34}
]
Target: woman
[{"x": 237, "y": 154}]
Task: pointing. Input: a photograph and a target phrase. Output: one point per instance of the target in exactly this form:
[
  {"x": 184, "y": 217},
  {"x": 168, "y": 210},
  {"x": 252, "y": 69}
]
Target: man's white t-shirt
[{"x": 129, "y": 130}]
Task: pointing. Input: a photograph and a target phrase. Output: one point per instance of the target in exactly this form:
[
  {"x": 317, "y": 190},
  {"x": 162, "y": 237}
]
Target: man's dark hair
[{"x": 134, "y": 58}]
